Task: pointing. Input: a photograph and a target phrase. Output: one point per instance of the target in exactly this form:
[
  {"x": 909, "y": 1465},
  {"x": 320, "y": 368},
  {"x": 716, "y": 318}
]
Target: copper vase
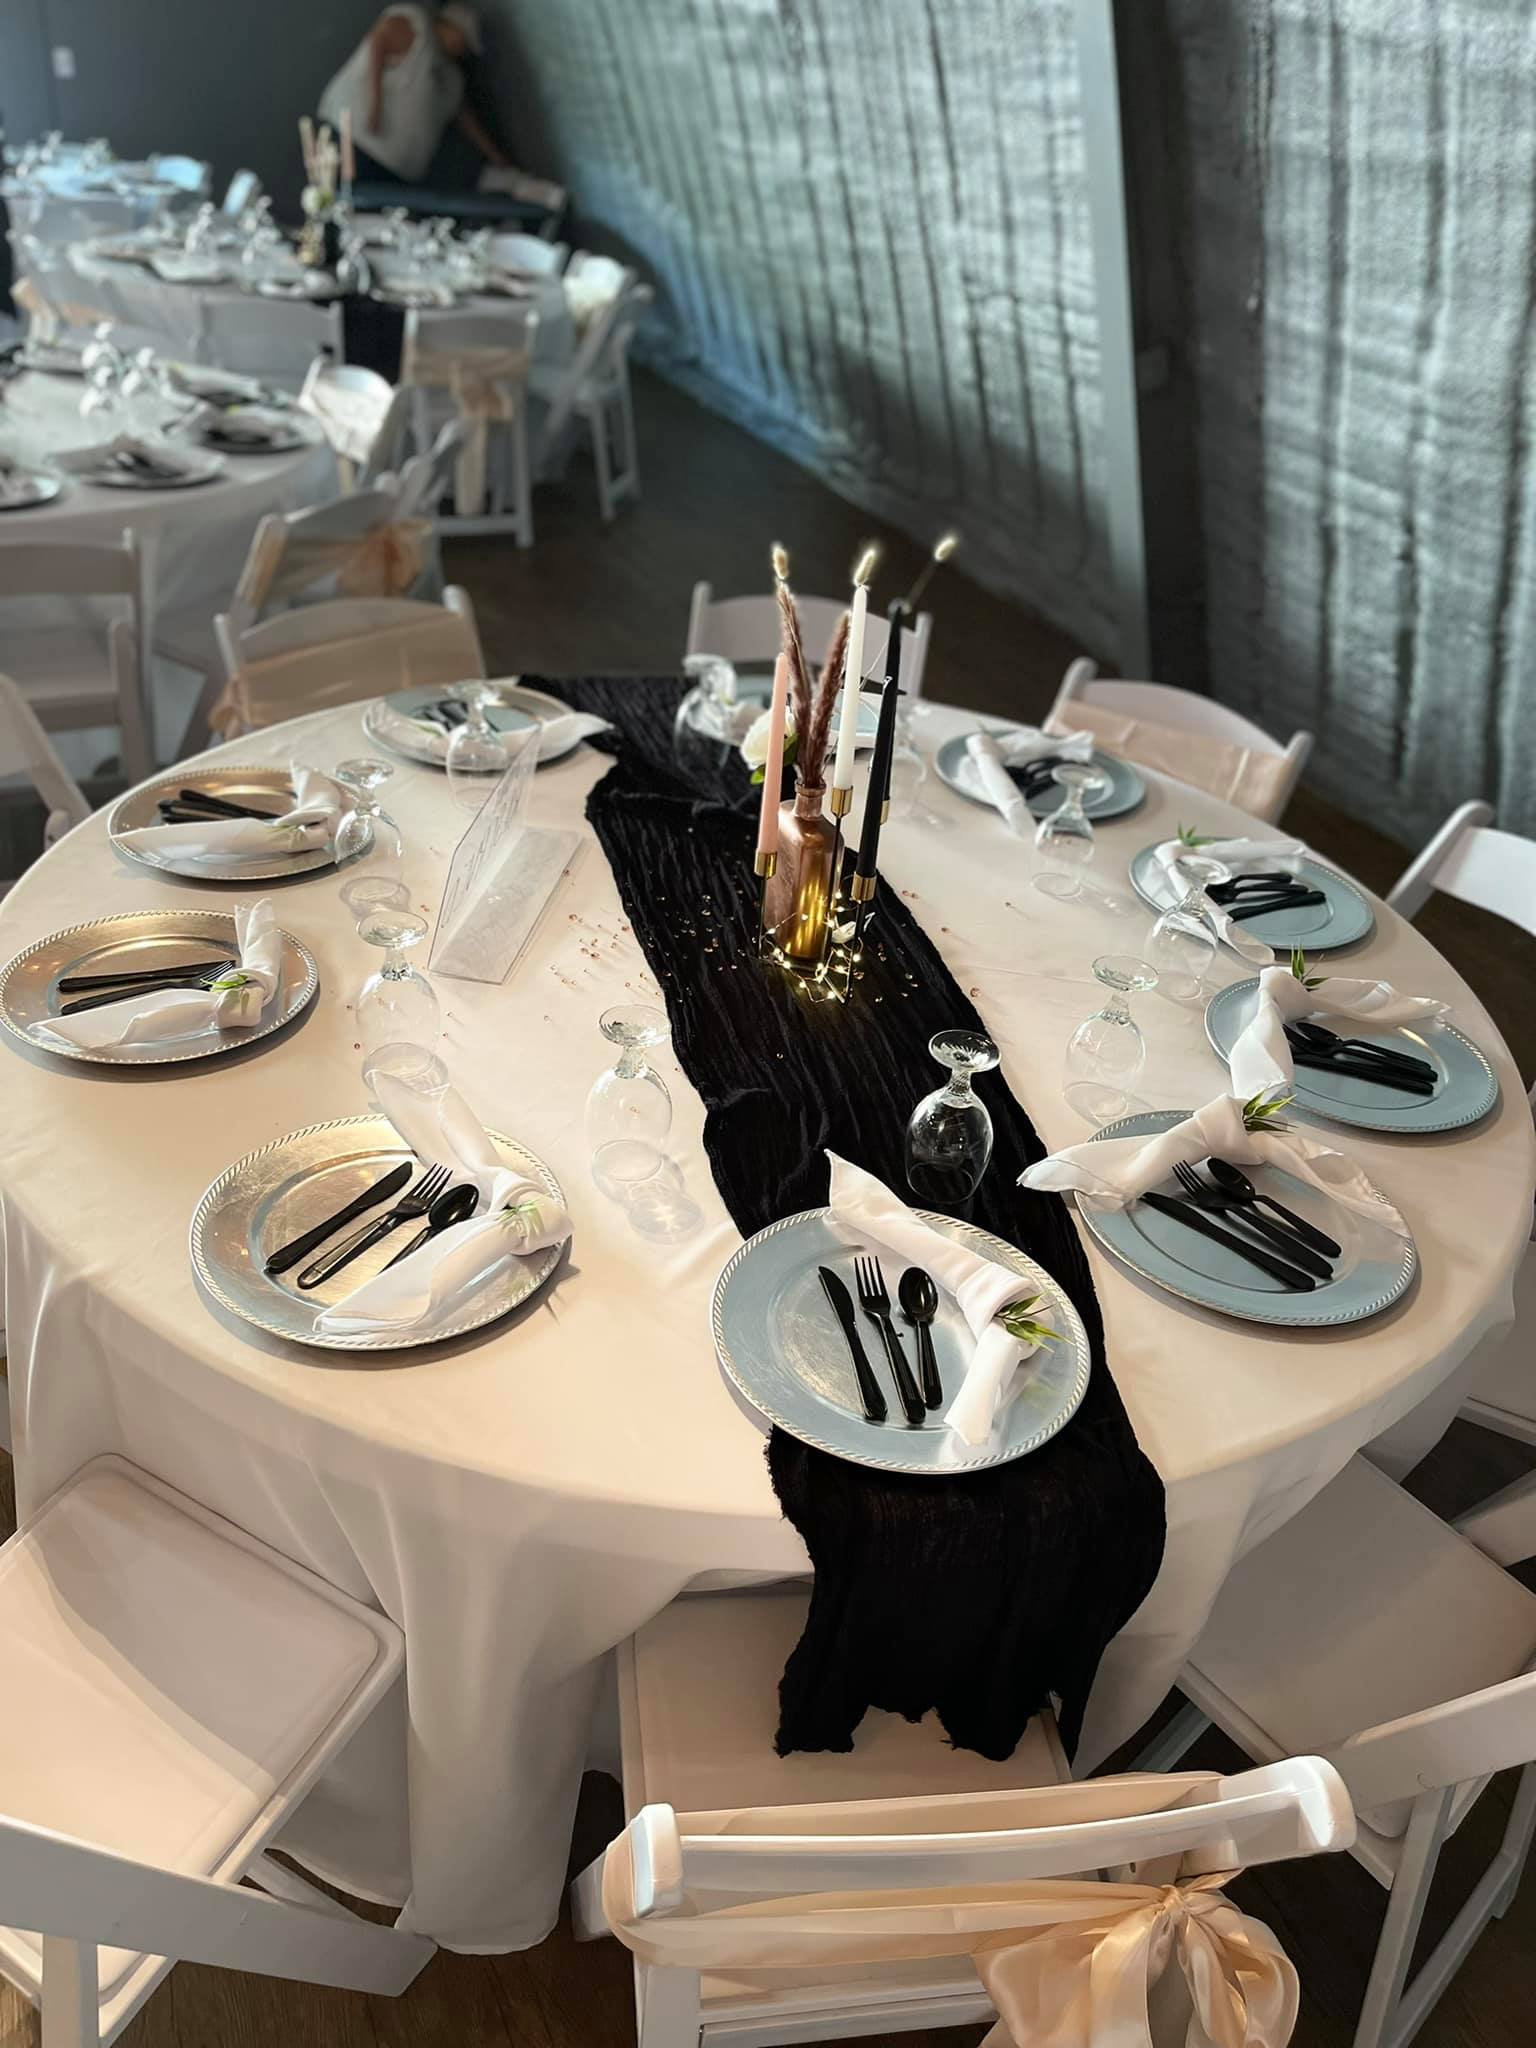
[{"x": 797, "y": 899}]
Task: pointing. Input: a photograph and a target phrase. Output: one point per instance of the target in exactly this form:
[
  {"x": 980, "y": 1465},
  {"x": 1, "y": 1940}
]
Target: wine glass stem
[
  {"x": 959, "y": 1091},
  {"x": 1117, "y": 1010},
  {"x": 395, "y": 967},
  {"x": 630, "y": 1064}
]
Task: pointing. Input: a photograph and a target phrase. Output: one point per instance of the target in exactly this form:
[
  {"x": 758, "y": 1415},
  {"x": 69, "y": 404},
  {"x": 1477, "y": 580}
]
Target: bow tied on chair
[
  {"x": 485, "y": 384},
  {"x": 1066, "y": 1961},
  {"x": 386, "y": 560}
]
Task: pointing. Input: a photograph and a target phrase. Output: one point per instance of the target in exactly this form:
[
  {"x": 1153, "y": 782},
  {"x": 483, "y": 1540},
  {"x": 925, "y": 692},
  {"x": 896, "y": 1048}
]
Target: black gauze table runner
[{"x": 978, "y": 1596}]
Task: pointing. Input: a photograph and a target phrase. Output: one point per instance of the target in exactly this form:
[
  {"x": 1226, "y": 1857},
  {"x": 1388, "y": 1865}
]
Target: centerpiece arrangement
[
  {"x": 326, "y": 158},
  {"x": 812, "y": 924}
]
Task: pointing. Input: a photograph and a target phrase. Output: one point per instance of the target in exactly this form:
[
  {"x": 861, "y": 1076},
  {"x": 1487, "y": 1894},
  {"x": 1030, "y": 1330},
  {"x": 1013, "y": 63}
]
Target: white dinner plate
[{"x": 26, "y": 488}]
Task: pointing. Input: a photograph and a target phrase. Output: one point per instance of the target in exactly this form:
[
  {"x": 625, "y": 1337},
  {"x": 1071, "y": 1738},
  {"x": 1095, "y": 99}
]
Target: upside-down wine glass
[
  {"x": 1182, "y": 945},
  {"x": 949, "y": 1134},
  {"x": 368, "y": 842},
  {"x": 396, "y": 1004},
  {"x": 1064, "y": 837},
  {"x": 1107, "y": 1052},
  {"x": 477, "y": 753},
  {"x": 629, "y": 1111}
]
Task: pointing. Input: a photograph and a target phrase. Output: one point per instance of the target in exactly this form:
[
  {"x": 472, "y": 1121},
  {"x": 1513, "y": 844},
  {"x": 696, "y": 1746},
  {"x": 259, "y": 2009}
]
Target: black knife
[
  {"x": 81, "y": 984},
  {"x": 1363, "y": 1070},
  {"x": 842, "y": 1308},
  {"x": 1195, "y": 1219},
  {"x": 290, "y": 1254}
]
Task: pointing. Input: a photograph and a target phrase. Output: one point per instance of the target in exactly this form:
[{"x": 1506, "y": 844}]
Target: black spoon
[
  {"x": 919, "y": 1299},
  {"x": 1237, "y": 1183},
  {"x": 453, "y": 1205}
]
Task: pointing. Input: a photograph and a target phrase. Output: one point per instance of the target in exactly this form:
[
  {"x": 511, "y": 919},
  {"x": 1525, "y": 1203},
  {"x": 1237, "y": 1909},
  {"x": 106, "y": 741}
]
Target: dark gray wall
[{"x": 26, "y": 100}]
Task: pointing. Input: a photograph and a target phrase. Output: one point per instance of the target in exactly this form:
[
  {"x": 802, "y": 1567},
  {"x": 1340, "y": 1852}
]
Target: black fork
[
  {"x": 416, "y": 1203},
  {"x": 1218, "y": 1202},
  {"x": 876, "y": 1304}
]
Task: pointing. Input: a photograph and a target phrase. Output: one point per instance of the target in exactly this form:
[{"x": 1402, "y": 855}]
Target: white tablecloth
[
  {"x": 520, "y": 1503},
  {"x": 58, "y": 202}
]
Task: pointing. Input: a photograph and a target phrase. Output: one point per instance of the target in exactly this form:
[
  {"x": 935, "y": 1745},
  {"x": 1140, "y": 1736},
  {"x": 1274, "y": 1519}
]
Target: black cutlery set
[
  {"x": 919, "y": 1296},
  {"x": 1255, "y": 1226},
  {"x": 1323, "y": 1051},
  {"x": 200, "y": 806},
  {"x": 1257, "y": 895},
  {"x": 434, "y": 1196},
  {"x": 447, "y": 715},
  {"x": 94, "y": 991}
]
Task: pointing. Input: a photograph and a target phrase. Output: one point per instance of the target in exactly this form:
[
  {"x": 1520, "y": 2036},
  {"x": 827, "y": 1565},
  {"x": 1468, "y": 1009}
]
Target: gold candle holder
[{"x": 840, "y": 801}]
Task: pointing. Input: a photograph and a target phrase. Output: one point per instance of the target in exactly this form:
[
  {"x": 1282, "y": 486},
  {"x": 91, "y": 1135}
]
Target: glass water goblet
[
  {"x": 1064, "y": 837},
  {"x": 396, "y": 1004},
  {"x": 629, "y": 1111},
  {"x": 1182, "y": 943},
  {"x": 415, "y": 1067},
  {"x": 949, "y": 1134},
  {"x": 1106, "y": 1054},
  {"x": 368, "y": 840},
  {"x": 477, "y": 753}
]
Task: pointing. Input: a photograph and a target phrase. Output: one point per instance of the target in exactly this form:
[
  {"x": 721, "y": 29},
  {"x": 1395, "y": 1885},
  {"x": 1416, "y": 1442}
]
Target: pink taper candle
[
  {"x": 773, "y": 766},
  {"x": 348, "y": 158}
]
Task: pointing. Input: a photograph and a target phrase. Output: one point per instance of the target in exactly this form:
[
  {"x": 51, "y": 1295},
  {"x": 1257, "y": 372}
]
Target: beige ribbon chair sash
[
  {"x": 385, "y": 561},
  {"x": 485, "y": 384},
  {"x": 1241, "y": 775},
  {"x": 271, "y": 688},
  {"x": 1065, "y": 1960}
]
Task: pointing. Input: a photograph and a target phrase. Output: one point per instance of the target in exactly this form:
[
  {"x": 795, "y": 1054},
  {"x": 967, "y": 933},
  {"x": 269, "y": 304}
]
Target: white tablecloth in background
[
  {"x": 520, "y": 1503},
  {"x": 59, "y": 202}
]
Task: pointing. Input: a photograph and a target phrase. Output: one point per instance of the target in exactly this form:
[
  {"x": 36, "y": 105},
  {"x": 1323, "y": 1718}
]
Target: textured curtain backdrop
[{"x": 867, "y": 221}]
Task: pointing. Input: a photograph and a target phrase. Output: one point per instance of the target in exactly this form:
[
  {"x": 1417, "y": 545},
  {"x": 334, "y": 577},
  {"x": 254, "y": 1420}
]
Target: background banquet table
[{"x": 521, "y": 1502}]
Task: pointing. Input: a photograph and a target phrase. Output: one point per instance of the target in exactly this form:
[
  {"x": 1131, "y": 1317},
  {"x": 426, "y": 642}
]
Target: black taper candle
[{"x": 878, "y": 792}]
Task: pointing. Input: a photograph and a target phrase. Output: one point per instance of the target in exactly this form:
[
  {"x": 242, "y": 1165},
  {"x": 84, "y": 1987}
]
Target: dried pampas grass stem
[
  {"x": 814, "y": 752},
  {"x": 799, "y": 670}
]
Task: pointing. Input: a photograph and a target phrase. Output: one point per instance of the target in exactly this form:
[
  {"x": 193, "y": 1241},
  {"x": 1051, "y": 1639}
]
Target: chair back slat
[
  {"x": 341, "y": 652},
  {"x": 1462, "y": 1739},
  {"x": 747, "y": 629}
]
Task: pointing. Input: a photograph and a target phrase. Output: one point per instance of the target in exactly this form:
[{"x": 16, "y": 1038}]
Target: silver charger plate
[
  {"x": 143, "y": 938},
  {"x": 517, "y": 710},
  {"x": 1374, "y": 1269},
  {"x": 1124, "y": 787},
  {"x": 779, "y": 1341},
  {"x": 1343, "y": 919},
  {"x": 1466, "y": 1087},
  {"x": 262, "y": 788},
  {"x": 288, "y": 442},
  {"x": 276, "y": 1193},
  {"x": 24, "y": 489},
  {"x": 111, "y": 478}
]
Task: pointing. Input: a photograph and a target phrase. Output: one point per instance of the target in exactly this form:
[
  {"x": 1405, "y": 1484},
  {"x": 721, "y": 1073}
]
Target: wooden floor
[{"x": 592, "y": 600}]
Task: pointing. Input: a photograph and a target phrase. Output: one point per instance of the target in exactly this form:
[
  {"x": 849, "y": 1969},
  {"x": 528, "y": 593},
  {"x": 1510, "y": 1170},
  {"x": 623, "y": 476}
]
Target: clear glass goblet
[
  {"x": 1182, "y": 943},
  {"x": 415, "y": 1067},
  {"x": 368, "y": 840},
  {"x": 477, "y": 753},
  {"x": 364, "y": 892},
  {"x": 629, "y": 1111},
  {"x": 1107, "y": 1053},
  {"x": 396, "y": 1004},
  {"x": 949, "y": 1134},
  {"x": 1064, "y": 837}
]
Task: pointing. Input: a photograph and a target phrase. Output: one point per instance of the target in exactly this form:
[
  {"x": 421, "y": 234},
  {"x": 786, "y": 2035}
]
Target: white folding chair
[
  {"x": 1492, "y": 870},
  {"x": 355, "y": 546},
  {"x": 1368, "y": 1632},
  {"x": 606, "y": 404},
  {"x": 747, "y": 630},
  {"x": 529, "y": 252},
  {"x": 27, "y": 750},
  {"x": 274, "y": 339},
  {"x": 342, "y": 652},
  {"x": 186, "y": 173},
  {"x": 74, "y": 672},
  {"x": 1185, "y": 735},
  {"x": 425, "y": 480},
  {"x": 243, "y": 190},
  {"x": 716, "y": 1819},
  {"x": 363, "y": 415},
  {"x": 495, "y": 354},
  {"x": 173, "y": 1689}
]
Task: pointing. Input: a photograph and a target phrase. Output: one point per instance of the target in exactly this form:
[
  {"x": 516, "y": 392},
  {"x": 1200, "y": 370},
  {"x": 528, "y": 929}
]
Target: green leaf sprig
[
  {"x": 1262, "y": 1112},
  {"x": 1188, "y": 836},
  {"x": 1018, "y": 1321},
  {"x": 236, "y": 978},
  {"x": 1299, "y": 969}
]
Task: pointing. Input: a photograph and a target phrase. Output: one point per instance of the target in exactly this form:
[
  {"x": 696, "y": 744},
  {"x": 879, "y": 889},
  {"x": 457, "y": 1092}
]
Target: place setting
[
  {"x": 23, "y": 488},
  {"x": 1026, "y": 773},
  {"x": 140, "y": 462},
  {"x": 407, "y": 1226},
  {"x": 241, "y": 824},
  {"x": 1257, "y": 895},
  {"x": 250, "y": 429},
  {"x": 471, "y": 721},
  {"x": 158, "y": 987}
]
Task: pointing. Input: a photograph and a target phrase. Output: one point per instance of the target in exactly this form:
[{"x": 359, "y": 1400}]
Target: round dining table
[{"x": 521, "y": 1500}]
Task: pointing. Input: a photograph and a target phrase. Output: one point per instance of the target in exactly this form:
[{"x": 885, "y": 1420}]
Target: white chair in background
[
  {"x": 529, "y": 252},
  {"x": 425, "y": 480},
  {"x": 355, "y": 546},
  {"x": 1187, "y": 736},
  {"x": 1496, "y": 871},
  {"x": 476, "y": 365},
  {"x": 186, "y": 173},
  {"x": 341, "y": 652},
  {"x": 274, "y": 339},
  {"x": 1368, "y": 1632},
  {"x": 173, "y": 1689},
  {"x": 76, "y": 675},
  {"x": 746, "y": 630},
  {"x": 606, "y": 302},
  {"x": 26, "y": 749},
  {"x": 243, "y": 190},
  {"x": 716, "y": 1819},
  {"x": 363, "y": 414}
]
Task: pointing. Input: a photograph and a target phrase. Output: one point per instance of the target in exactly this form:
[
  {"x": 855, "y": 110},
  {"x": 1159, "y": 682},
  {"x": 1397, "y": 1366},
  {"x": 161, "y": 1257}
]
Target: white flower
[
  {"x": 754, "y": 745},
  {"x": 313, "y": 200}
]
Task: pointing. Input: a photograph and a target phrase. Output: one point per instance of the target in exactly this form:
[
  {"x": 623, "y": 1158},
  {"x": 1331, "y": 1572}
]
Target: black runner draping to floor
[{"x": 979, "y": 1596}]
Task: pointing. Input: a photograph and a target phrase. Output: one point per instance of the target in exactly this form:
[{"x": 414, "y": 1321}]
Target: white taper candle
[{"x": 853, "y": 670}]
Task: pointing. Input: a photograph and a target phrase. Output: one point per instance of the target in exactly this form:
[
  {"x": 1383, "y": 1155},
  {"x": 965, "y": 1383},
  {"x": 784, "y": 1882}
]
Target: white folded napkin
[
  {"x": 1236, "y": 854},
  {"x": 1261, "y": 1057},
  {"x": 236, "y": 999},
  {"x": 317, "y": 807},
  {"x": 98, "y": 455},
  {"x": 175, "y": 266},
  {"x": 1117, "y": 1170},
  {"x": 994, "y": 753},
  {"x": 865, "y": 1211},
  {"x": 515, "y": 1217},
  {"x": 554, "y": 735},
  {"x": 222, "y": 387}
]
